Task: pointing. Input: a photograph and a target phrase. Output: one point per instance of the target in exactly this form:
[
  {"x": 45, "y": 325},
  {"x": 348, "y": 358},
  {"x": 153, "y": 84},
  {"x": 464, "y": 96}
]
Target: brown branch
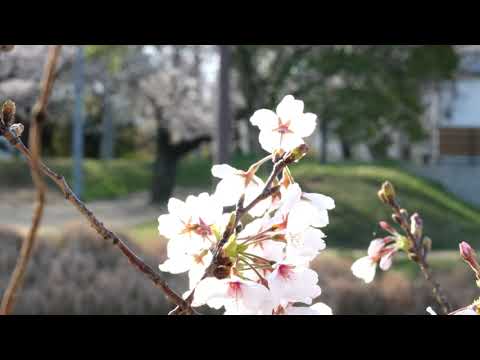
[
  {"x": 38, "y": 115},
  {"x": 98, "y": 226},
  {"x": 419, "y": 258}
]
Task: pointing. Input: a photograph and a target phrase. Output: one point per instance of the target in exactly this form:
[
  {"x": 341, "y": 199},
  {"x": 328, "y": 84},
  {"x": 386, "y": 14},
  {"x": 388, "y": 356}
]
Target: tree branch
[
  {"x": 98, "y": 226},
  {"x": 186, "y": 146},
  {"x": 38, "y": 115},
  {"x": 419, "y": 258}
]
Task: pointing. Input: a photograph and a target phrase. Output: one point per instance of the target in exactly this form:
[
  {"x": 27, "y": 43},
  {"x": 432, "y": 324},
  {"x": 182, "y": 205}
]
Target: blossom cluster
[{"x": 263, "y": 266}]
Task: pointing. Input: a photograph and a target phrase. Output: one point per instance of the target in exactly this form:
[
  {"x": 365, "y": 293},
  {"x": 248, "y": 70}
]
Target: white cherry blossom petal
[
  {"x": 290, "y": 141},
  {"x": 269, "y": 140},
  {"x": 289, "y": 284},
  {"x": 320, "y": 201},
  {"x": 264, "y": 119},
  {"x": 365, "y": 269},
  {"x": 223, "y": 170},
  {"x": 289, "y": 108},
  {"x": 386, "y": 261},
  {"x": 304, "y": 125}
]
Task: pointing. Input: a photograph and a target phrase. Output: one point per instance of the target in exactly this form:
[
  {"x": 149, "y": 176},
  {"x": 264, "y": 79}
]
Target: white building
[{"x": 454, "y": 113}]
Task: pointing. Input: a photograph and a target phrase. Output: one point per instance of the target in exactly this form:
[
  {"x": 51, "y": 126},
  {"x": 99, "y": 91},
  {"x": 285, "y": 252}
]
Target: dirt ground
[{"x": 16, "y": 209}]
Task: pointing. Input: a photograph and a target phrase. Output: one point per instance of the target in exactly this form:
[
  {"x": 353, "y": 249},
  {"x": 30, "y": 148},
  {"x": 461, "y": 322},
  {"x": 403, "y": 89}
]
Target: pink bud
[
  {"x": 387, "y": 227},
  {"x": 467, "y": 252}
]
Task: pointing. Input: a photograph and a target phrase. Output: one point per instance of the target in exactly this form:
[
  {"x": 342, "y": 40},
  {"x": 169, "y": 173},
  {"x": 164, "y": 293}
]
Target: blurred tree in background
[
  {"x": 361, "y": 93},
  {"x": 164, "y": 101}
]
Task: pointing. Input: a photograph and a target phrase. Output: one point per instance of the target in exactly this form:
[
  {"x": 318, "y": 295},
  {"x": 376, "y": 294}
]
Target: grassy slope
[
  {"x": 353, "y": 186},
  {"x": 447, "y": 220}
]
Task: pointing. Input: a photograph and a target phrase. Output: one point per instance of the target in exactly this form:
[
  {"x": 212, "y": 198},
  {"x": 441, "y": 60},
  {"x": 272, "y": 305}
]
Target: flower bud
[
  {"x": 17, "y": 129},
  {"x": 466, "y": 251},
  {"x": 387, "y": 227},
  {"x": 470, "y": 257},
  {"x": 387, "y": 193},
  {"x": 8, "y": 112},
  {"x": 404, "y": 213},
  {"x": 296, "y": 154},
  {"x": 416, "y": 226}
]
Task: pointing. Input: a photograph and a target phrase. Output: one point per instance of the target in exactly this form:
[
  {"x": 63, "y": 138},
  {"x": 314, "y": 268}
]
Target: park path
[{"x": 16, "y": 209}]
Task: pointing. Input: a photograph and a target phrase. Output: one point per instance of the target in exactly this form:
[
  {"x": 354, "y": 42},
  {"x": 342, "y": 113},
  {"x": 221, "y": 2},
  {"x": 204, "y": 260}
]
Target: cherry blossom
[
  {"x": 285, "y": 129},
  {"x": 188, "y": 226},
  {"x": 289, "y": 283},
  {"x": 305, "y": 246},
  {"x": 262, "y": 265},
  {"x": 378, "y": 254},
  {"x": 235, "y": 183},
  {"x": 303, "y": 209},
  {"x": 236, "y": 295},
  {"x": 195, "y": 264}
]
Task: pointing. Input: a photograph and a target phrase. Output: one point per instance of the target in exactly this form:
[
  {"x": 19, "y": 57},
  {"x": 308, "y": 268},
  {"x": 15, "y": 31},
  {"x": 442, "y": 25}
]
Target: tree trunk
[
  {"x": 164, "y": 168},
  {"x": 346, "y": 149},
  {"x": 224, "y": 137},
  {"x": 379, "y": 149}
]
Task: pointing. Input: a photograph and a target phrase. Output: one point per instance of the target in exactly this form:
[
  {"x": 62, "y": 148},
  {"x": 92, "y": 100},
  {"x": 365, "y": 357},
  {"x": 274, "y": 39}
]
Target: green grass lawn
[
  {"x": 354, "y": 187},
  {"x": 111, "y": 179}
]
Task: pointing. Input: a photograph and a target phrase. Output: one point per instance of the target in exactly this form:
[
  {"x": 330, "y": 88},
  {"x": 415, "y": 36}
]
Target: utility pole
[
  {"x": 78, "y": 121},
  {"x": 106, "y": 145}
]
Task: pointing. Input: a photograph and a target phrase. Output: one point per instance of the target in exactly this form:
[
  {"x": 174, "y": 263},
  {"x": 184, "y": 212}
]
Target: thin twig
[
  {"x": 38, "y": 115},
  {"x": 98, "y": 226},
  {"x": 421, "y": 261}
]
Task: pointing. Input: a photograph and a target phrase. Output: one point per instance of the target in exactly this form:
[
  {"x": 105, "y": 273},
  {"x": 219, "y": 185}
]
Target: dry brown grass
[
  {"x": 79, "y": 273},
  {"x": 392, "y": 292}
]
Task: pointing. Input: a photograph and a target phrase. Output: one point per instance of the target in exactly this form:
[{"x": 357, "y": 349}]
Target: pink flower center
[
  {"x": 285, "y": 271},
  {"x": 201, "y": 229},
  {"x": 234, "y": 289},
  {"x": 283, "y": 128}
]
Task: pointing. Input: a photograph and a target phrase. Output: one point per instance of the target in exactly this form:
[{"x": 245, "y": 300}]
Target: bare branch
[
  {"x": 38, "y": 115},
  {"x": 417, "y": 254},
  {"x": 98, "y": 226}
]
